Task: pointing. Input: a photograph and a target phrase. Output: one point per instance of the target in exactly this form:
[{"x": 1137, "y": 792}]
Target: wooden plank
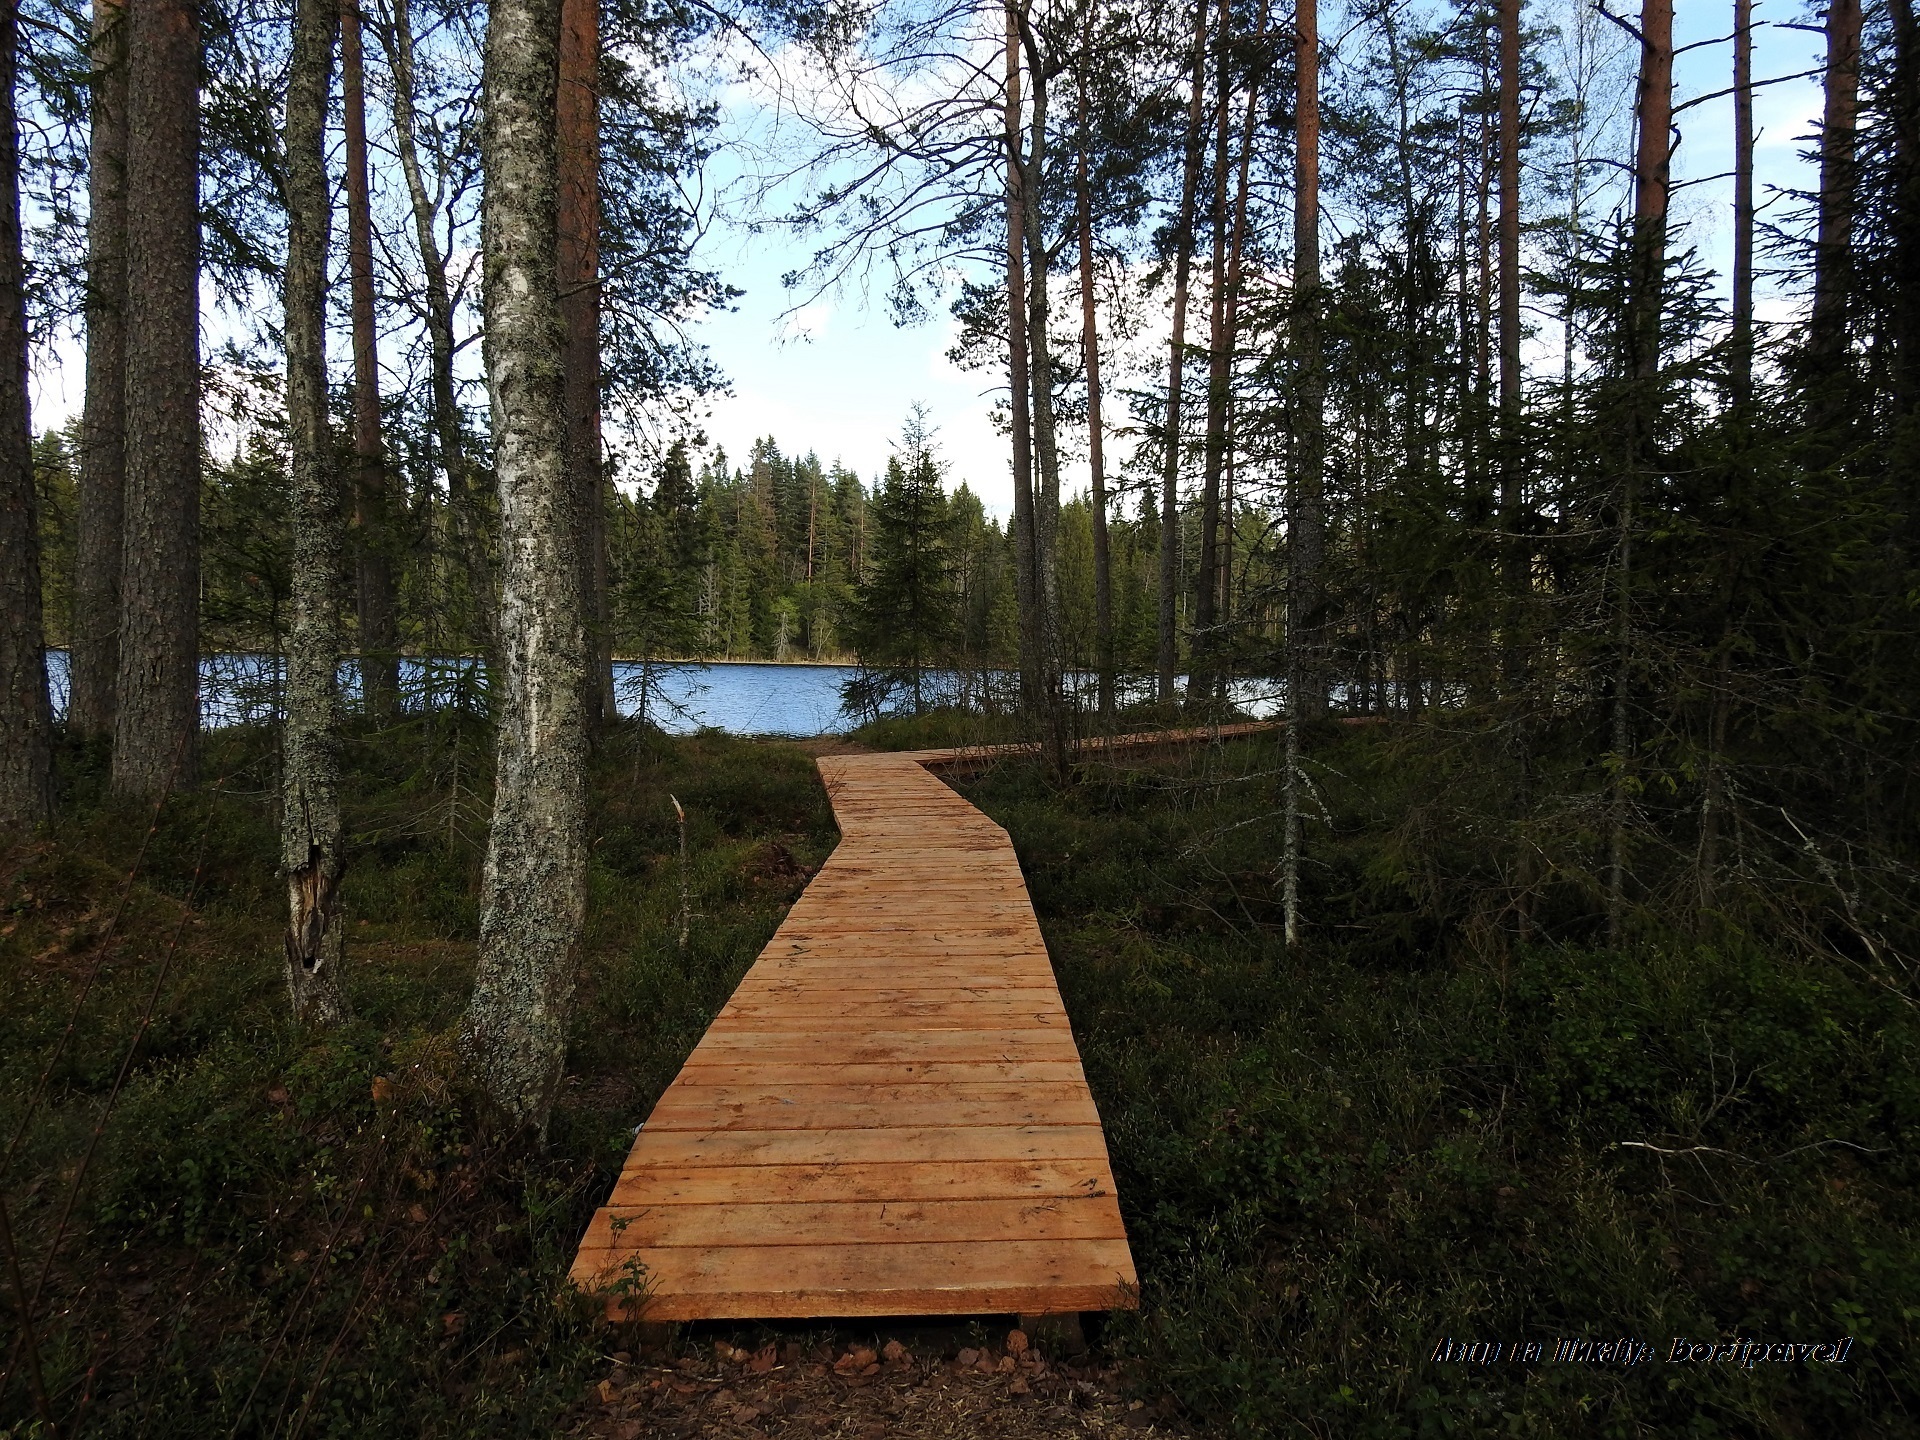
[
  {"x": 858, "y": 1222},
  {"x": 912, "y": 1143},
  {"x": 694, "y": 1111},
  {"x": 937, "y": 1018},
  {"x": 923, "y": 1278},
  {"x": 900, "y": 1001},
  {"x": 820, "y": 1090},
  {"x": 706, "y": 1070},
  {"x": 877, "y": 1048},
  {"x": 658, "y": 1184}
]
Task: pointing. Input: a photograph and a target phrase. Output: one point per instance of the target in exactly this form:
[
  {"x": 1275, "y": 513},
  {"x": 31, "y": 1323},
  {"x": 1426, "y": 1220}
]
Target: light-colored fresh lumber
[{"x": 889, "y": 1116}]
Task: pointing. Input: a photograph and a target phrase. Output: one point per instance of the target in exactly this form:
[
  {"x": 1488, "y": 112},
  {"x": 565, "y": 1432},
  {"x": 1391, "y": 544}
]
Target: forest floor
[{"x": 1409, "y": 1129}]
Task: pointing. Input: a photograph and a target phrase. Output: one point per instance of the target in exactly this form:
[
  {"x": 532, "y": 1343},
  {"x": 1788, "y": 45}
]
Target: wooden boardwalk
[{"x": 889, "y": 1117}]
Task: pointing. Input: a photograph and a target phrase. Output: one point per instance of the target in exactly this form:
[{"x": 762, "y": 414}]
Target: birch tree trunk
[
  {"x": 463, "y": 500},
  {"x": 26, "y": 789},
  {"x": 533, "y": 898},
  {"x": 579, "y": 148},
  {"x": 312, "y": 840},
  {"x": 156, "y": 719},
  {"x": 95, "y": 655},
  {"x": 1169, "y": 637},
  {"x": 372, "y": 508}
]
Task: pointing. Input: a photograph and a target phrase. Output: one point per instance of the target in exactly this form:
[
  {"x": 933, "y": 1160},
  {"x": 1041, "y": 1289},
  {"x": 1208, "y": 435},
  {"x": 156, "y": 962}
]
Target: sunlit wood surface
[{"x": 889, "y": 1117}]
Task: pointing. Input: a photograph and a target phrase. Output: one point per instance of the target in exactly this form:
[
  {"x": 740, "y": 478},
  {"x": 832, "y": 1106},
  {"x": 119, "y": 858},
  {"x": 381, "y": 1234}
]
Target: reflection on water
[{"x": 239, "y": 688}]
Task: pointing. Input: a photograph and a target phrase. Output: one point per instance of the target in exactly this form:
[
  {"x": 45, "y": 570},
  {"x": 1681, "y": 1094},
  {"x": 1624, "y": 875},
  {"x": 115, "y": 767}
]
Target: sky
[{"x": 838, "y": 377}]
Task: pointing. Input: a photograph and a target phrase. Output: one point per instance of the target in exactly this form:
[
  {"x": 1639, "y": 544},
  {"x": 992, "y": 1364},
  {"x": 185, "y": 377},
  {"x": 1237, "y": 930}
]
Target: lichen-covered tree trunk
[
  {"x": 95, "y": 654},
  {"x": 534, "y": 888},
  {"x": 157, "y": 714},
  {"x": 26, "y": 794},
  {"x": 579, "y": 160},
  {"x": 312, "y": 842},
  {"x": 372, "y": 509}
]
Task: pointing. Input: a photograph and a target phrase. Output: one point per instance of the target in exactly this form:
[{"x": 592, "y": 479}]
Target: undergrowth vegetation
[
  {"x": 1412, "y": 1129},
  {"x": 287, "y": 1235}
]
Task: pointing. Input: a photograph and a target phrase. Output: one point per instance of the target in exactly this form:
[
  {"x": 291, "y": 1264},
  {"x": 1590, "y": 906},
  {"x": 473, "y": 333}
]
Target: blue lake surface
[{"x": 681, "y": 698}]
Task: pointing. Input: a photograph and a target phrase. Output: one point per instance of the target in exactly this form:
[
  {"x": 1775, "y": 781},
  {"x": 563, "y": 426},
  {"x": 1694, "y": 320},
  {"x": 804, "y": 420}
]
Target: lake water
[{"x": 741, "y": 699}]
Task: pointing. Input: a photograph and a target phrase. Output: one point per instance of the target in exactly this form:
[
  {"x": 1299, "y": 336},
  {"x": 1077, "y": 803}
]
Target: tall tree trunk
[
  {"x": 1026, "y": 580},
  {"x": 579, "y": 145},
  {"x": 1055, "y": 741},
  {"x": 1740, "y": 377},
  {"x": 533, "y": 898},
  {"x": 1306, "y": 511},
  {"x": 1236, "y": 253},
  {"x": 1169, "y": 650},
  {"x": 1514, "y": 552},
  {"x": 1741, "y": 360},
  {"x": 1090, "y": 352},
  {"x": 1833, "y": 246},
  {"x": 1652, "y": 191},
  {"x": 372, "y": 511},
  {"x": 312, "y": 838},
  {"x": 26, "y": 788},
  {"x": 95, "y": 655},
  {"x": 157, "y": 717},
  {"x": 1201, "y": 678},
  {"x": 463, "y": 500}
]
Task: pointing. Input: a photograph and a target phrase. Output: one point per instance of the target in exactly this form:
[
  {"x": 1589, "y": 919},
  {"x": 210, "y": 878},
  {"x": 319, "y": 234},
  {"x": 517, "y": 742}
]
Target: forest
[{"x": 1548, "y": 973}]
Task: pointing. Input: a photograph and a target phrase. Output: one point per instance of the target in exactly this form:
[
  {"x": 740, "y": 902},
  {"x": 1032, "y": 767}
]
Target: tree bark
[
  {"x": 95, "y": 654},
  {"x": 1236, "y": 254},
  {"x": 463, "y": 499},
  {"x": 1055, "y": 742},
  {"x": 579, "y": 145},
  {"x": 1741, "y": 360},
  {"x": 157, "y": 717},
  {"x": 533, "y": 899},
  {"x": 26, "y": 788},
  {"x": 312, "y": 838},
  {"x": 1514, "y": 553},
  {"x": 1200, "y": 672},
  {"x": 1169, "y": 650},
  {"x": 372, "y": 508},
  {"x": 1306, "y": 517},
  {"x": 1652, "y": 192},
  {"x": 1833, "y": 246},
  {"x": 1090, "y": 352},
  {"x": 1026, "y": 578}
]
